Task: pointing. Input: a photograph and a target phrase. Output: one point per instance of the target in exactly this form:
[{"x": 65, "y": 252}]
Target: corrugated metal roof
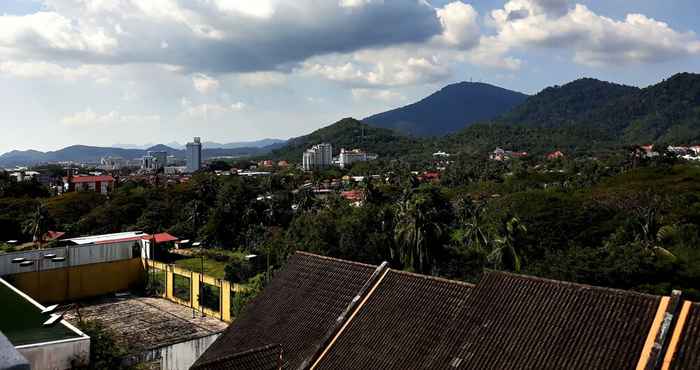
[{"x": 108, "y": 238}]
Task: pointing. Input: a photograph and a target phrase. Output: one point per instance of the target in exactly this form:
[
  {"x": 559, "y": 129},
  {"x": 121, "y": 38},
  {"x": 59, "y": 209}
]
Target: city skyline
[{"x": 100, "y": 73}]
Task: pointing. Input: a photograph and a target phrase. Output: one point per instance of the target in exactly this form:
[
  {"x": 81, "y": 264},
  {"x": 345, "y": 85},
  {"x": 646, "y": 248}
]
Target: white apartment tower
[
  {"x": 319, "y": 156},
  {"x": 194, "y": 155}
]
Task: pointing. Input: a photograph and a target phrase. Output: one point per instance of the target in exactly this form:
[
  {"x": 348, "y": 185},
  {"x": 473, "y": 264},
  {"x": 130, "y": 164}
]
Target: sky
[{"x": 102, "y": 72}]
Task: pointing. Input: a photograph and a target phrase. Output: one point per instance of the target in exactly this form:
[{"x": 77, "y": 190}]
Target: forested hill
[
  {"x": 350, "y": 133},
  {"x": 667, "y": 112},
  {"x": 449, "y": 110}
]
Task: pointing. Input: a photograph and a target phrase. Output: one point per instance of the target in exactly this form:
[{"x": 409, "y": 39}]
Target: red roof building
[
  {"x": 99, "y": 184},
  {"x": 555, "y": 155}
]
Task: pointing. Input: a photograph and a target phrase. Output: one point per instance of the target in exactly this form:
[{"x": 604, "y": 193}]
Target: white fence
[{"x": 75, "y": 255}]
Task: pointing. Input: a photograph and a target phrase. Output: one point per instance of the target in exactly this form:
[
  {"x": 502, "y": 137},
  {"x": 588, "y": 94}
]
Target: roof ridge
[
  {"x": 569, "y": 283},
  {"x": 431, "y": 277},
  {"x": 308, "y": 254}
]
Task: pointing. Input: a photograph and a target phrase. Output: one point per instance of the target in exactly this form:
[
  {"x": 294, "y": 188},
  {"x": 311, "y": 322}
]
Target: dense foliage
[{"x": 613, "y": 221}]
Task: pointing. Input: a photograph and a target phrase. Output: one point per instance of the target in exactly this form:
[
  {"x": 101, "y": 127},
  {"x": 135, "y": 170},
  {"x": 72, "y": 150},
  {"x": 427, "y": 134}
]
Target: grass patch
[{"x": 212, "y": 267}]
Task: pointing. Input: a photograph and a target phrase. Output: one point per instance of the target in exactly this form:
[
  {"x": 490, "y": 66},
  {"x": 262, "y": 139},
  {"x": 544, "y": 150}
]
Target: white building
[
  {"x": 348, "y": 157},
  {"x": 154, "y": 161},
  {"x": 319, "y": 156},
  {"x": 112, "y": 163},
  {"x": 194, "y": 155}
]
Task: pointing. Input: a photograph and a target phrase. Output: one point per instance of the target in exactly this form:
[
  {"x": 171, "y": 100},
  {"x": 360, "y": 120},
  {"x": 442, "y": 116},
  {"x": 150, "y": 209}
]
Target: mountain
[
  {"x": 211, "y": 145},
  {"x": 92, "y": 154},
  {"x": 667, "y": 112},
  {"x": 349, "y": 133},
  {"x": 449, "y": 110},
  {"x": 243, "y": 144}
]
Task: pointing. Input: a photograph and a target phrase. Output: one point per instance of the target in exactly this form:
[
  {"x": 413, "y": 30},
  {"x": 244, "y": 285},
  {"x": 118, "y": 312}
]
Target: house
[
  {"x": 555, "y": 155},
  {"x": 503, "y": 155},
  {"x": 99, "y": 184},
  {"x": 355, "y": 197},
  {"x": 349, "y": 315}
]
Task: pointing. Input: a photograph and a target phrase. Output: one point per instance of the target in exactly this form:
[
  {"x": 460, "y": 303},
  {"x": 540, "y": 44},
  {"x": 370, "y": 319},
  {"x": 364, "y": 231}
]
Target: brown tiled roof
[
  {"x": 688, "y": 352},
  {"x": 296, "y": 310},
  {"x": 399, "y": 325},
  {"x": 264, "y": 358},
  {"x": 519, "y": 322}
]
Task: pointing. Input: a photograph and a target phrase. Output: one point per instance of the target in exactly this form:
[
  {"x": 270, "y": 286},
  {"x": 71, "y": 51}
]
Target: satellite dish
[
  {"x": 18, "y": 260},
  {"x": 58, "y": 259},
  {"x": 26, "y": 263},
  {"x": 50, "y": 255}
]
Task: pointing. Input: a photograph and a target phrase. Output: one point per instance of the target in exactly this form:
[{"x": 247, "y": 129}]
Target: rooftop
[
  {"x": 331, "y": 314},
  {"x": 108, "y": 238},
  {"x": 21, "y": 320},
  {"x": 144, "y": 323}
]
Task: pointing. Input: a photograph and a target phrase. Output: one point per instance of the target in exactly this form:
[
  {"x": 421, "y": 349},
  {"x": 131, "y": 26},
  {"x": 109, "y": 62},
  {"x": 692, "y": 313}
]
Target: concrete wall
[
  {"x": 79, "y": 282},
  {"x": 181, "y": 356},
  {"x": 75, "y": 256},
  {"x": 226, "y": 289},
  {"x": 61, "y": 355}
]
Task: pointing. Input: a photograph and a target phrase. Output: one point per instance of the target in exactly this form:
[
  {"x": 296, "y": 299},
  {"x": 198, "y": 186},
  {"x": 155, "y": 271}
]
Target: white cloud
[
  {"x": 262, "y": 79},
  {"x": 207, "y": 111},
  {"x": 89, "y": 118},
  {"x": 45, "y": 70},
  {"x": 371, "y": 94},
  {"x": 353, "y": 3},
  {"x": 205, "y": 84},
  {"x": 47, "y": 32},
  {"x": 389, "y": 67},
  {"x": 595, "y": 40},
  {"x": 459, "y": 23},
  {"x": 236, "y": 36}
]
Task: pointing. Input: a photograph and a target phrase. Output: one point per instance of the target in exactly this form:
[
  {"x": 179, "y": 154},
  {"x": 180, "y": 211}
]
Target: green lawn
[{"x": 211, "y": 267}]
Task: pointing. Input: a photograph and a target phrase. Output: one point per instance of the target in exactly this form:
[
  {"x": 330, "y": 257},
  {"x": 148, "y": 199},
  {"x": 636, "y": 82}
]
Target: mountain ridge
[{"x": 448, "y": 110}]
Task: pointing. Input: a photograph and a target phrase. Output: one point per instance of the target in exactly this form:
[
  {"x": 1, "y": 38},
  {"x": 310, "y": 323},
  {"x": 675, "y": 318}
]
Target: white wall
[
  {"x": 57, "y": 355},
  {"x": 78, "y": 255},
  {"x": 179, "y": 356}
]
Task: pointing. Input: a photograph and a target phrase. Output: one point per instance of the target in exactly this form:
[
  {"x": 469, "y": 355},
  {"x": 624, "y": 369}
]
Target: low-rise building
[
  {"x": 348, "y": 157},
  {"x": 350, "y": 315},
  {"x": 98, "y": 184}
]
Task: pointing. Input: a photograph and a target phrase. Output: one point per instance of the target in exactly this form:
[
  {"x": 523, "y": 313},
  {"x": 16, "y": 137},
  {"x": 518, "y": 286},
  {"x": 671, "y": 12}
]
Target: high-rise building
[
  {"x": 154, "y": 161},
  {"x": 319, "y": 156},
  {"x": 194, "y": 155}
]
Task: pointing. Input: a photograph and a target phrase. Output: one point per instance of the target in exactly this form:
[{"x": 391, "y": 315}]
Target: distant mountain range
[
  {"x": 210, "y": 144},
  {"x": 585, "y": 114},
  {"x": 92, "y": 154},
  {"x": 449, "y": 110}
]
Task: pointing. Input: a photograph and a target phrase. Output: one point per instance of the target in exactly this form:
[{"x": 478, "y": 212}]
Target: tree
[
  {"x": 39, "y": 225},
  {"x": 419, "y": 229},
  {"x": 472, "y": 231},
  {"x": 506, "y": 248}
]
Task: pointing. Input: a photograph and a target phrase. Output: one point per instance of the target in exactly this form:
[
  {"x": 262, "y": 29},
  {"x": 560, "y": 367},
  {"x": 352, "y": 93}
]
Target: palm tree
[
  {"x": 472, "y": 232},
  {"x": 38, "y": 225},
  {"x": 505, "y": 252},
  {"x": 417, "y": 234}
]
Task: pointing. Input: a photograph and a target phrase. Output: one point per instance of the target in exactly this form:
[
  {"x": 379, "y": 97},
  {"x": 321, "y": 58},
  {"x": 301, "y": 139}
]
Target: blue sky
[{"x": 101, "y": 72}]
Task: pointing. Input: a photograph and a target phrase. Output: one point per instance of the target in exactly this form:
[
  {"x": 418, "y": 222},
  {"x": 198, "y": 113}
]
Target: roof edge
[{"x": 568, "y": 283}]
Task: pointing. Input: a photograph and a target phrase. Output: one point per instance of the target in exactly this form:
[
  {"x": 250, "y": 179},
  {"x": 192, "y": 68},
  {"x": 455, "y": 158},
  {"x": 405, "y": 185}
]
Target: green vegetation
[
  {"x": 182, "y": 287},
  {"x": 212, "y": 267}
]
